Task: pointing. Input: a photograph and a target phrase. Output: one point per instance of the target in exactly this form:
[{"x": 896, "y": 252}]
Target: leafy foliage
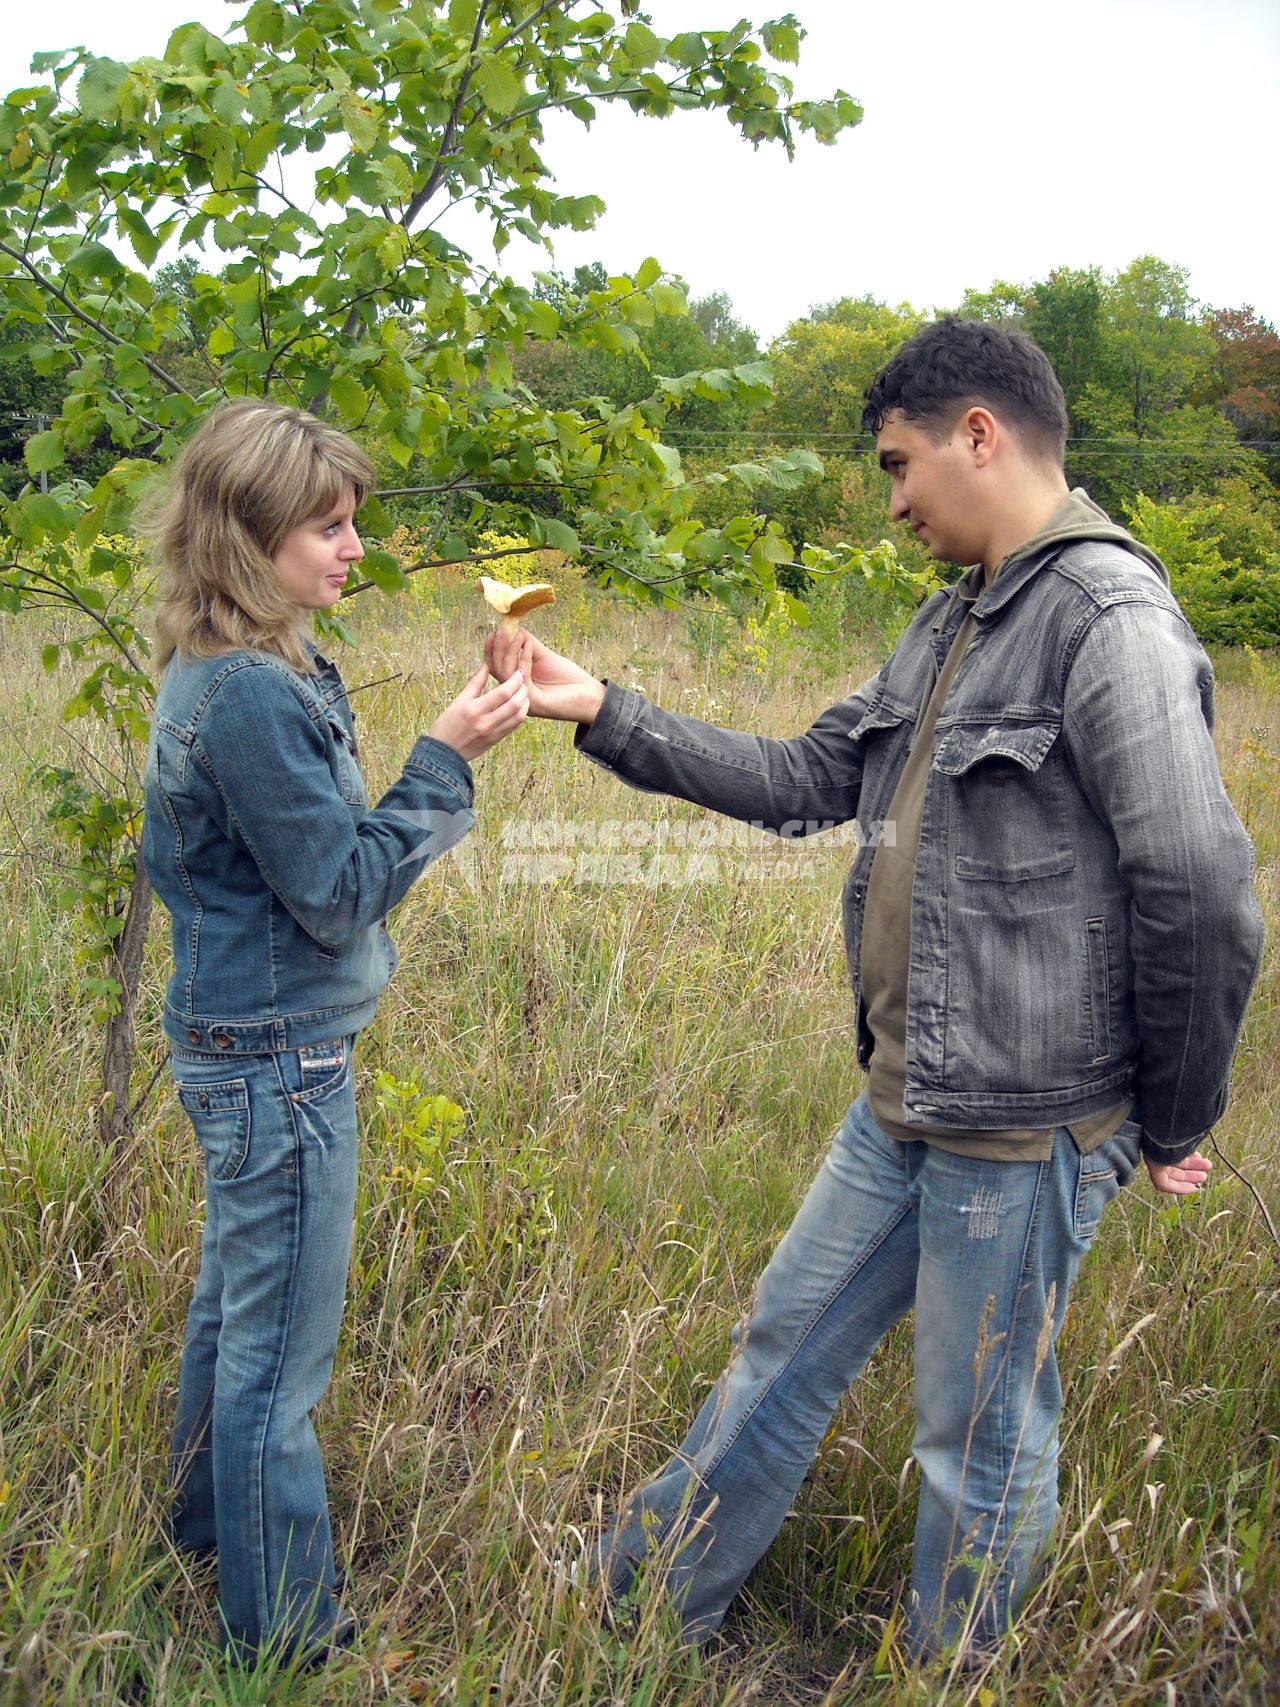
[
  {"x": 1222, "y": 550},
  {"x": 1134, "y": 358},
  {"x": 307, "y": 160}
]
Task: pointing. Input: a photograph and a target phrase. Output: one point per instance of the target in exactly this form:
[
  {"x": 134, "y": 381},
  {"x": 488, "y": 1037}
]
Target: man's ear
[{"x": 981, "y": 433}]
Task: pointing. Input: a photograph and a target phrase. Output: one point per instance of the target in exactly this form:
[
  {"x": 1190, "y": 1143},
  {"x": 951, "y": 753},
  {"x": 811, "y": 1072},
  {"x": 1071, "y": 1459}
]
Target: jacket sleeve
[
  {"x": 1138, "y": 712},
  {"x": 336, "y": 872},
  {"x": 792, "y": 787}
]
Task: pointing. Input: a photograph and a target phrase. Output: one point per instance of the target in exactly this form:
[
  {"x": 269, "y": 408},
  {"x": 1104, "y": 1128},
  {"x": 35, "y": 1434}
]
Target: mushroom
[{"x": 511, "y": 603}]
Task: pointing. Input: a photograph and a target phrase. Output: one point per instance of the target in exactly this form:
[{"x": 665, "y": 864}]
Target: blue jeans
[
  {"x": 278, "y": 1134},
  {"x": 986, "y": 1253}
]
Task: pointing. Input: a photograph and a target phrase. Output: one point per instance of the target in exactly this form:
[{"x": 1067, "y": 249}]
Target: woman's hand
[
  {"x": 478, "y": 720},
  {"x": 558, "y": 687}
]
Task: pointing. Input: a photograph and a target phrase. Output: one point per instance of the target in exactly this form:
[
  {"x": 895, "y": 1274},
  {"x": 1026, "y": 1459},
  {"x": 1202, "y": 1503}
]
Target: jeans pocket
[
  {"x": 317, "y": 1070},
  {"x": 219, "y": 1114},
  {"x": 1102, "y": 1175}
]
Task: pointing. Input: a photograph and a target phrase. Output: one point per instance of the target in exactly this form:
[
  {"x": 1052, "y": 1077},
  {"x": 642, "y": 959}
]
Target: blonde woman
[{"x": 278, "y": 874}]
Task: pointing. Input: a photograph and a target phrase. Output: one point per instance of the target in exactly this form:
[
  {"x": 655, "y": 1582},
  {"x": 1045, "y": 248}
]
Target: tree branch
[
  {"x": 153, "y": 368},
  {"x": 451, "y": 563},
  {"x": 526, "y": 23},
  {"x": 68, "y": 595},
  {"x": 479, "y": 486},
  {"x": 424, "y": 195}
]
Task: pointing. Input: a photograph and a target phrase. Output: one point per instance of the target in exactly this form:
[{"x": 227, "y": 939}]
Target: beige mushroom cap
[{"x": 513, "y": 602}]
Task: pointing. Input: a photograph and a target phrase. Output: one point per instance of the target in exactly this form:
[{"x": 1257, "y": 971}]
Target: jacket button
[
  {"x": 221, "y": 1040},
  {"x": 193, "y": 1036}
]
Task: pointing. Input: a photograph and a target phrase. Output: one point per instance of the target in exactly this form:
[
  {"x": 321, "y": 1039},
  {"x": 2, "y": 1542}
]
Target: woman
[{"x": 260, "y": 840}]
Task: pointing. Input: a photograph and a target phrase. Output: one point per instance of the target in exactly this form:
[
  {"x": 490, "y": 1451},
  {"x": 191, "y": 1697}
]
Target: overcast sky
[{"x": 999, "y": 141}]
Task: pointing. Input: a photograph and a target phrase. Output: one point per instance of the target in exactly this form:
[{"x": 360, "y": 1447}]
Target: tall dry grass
[{"x": 541, "y": 1291}]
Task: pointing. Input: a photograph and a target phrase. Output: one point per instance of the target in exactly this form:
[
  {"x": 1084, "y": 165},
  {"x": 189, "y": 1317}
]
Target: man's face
[{"x": 932, "y": 487}]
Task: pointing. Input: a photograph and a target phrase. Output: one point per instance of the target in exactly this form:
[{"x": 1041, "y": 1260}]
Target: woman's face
[{"x": 314, "y": 558}]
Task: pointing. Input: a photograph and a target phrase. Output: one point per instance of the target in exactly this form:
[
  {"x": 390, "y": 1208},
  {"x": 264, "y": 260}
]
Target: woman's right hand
[
  {"x": 558, "y": 687},
  {"x": 479, "y": 718}
]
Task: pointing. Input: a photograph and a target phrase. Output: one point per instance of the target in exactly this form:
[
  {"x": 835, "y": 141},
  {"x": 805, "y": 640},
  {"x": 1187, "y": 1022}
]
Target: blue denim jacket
[
  {"x": 1084, "y": 928},
  {"x": 259, "y": 839}
]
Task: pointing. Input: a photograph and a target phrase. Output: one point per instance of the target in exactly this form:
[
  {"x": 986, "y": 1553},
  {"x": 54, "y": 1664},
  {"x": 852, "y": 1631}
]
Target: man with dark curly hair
[{"x": 1052, "y": 937}]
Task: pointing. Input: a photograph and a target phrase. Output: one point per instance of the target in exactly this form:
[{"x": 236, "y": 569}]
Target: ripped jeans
[{"x": 986, "y": 1253}]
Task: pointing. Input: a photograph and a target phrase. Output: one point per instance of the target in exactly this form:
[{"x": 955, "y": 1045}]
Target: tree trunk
[{"x": 117, "y": 1057}]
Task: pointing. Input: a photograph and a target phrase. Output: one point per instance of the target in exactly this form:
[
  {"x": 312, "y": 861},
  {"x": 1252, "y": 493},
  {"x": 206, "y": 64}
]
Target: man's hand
[
  {"x": 1180, "y": 1179},
  {"x": 477, "y": 720},
  {"x": 557, "y": 687}
]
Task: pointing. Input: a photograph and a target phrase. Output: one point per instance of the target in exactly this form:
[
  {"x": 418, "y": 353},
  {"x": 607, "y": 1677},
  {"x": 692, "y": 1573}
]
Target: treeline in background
[{"x": 1174, "y": 417}]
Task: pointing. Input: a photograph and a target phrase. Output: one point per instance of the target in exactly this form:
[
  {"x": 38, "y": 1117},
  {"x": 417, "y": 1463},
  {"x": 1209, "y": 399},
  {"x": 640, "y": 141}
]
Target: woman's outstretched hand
[
  {"x": 558, "y": 687},
  {"x": 479, "y": 718}
]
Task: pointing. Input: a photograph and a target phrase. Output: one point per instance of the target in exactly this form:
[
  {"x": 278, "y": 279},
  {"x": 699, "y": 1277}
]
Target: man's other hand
[{"x": 1179, "y": 1179}]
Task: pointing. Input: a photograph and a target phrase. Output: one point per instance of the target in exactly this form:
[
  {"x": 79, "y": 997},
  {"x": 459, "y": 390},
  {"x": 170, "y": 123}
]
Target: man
[{"x": 1052, "y": 938}]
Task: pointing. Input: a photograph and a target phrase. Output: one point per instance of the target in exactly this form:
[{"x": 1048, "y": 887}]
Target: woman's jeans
[
  {"x": 279, "y": 1139},
  {"x": 985, "y": 1252}
]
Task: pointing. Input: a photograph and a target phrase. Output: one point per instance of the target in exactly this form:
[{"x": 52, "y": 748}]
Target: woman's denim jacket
[
  {"x": 1083, "y": 927},
  {"x": 259, "y": 839}
]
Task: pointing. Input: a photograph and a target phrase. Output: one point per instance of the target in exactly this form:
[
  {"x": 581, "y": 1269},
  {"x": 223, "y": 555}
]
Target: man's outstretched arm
[{"x": 789, "y": 786}]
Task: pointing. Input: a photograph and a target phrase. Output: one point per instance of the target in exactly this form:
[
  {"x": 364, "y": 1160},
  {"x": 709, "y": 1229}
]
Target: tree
[
  {"x": 1243, "y": 380},
  {"x": 1132, "y": 357},
  {"x": 823, "y": 364},
  {"x": 343, "y": 296},
  {"x": 562, "y": 375}
]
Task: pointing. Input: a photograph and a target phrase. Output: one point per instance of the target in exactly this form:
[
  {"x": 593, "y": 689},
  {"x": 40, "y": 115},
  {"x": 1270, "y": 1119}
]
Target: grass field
[{"x": 645, "y": 1076}]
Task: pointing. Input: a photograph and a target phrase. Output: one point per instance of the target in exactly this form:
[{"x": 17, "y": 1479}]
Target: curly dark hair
[{"x": 953, "y": 364}]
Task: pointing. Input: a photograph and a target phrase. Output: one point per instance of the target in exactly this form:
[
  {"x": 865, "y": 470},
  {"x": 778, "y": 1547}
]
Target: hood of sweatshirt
[{"x": 1078, "y": 517}]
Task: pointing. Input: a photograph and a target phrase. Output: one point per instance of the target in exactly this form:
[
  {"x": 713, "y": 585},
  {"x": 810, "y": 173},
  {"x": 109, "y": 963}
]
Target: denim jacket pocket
[
  {"x": 219, "y": 1113},
  {"x": 347, "y": 766},
  {"x": 1008, "y": 822}
]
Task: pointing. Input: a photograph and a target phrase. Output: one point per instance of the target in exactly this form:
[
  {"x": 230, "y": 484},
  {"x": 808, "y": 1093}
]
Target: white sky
[{"x": 999, "y": 141}]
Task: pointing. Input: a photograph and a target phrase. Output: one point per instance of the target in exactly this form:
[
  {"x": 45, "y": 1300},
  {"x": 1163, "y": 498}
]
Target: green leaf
[
  {"x": 222, "y": 340},
  {"x": 648, "y": 273},
  {"x": 49, "y": 655},
  {"x": 687, "y": 50},
  {"x": 360, "y": 121},
  {"x": 93, "y": 261},
  {"x": 99, "y": 91},
  {"x": 146, "y": 245},
  {"x": 560, "y": 536},
  {"x": 349, "y": 396},
  {"x": 383, "y": 570},
  {"x": 82, "y": 169},
  {"x": 669, "y": 299},
  {"x": 499, "y": 87},
  {"x": 43, "y": 452},
  {"x": 669, "y": 457},
  {"x": 782, "y": 40},
  {"x": 374, "y": 518},
  {"x": 641, "y": 45},
  {"x": 44, "y": 511}
]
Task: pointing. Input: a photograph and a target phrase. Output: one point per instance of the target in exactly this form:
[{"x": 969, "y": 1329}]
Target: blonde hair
[{"x": 252, "y": 472}]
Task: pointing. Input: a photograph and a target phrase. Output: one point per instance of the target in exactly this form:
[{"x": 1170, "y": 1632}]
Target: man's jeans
[
  {"x": 279, "y": 1139},
  {"x": 986, "y": 1252}
]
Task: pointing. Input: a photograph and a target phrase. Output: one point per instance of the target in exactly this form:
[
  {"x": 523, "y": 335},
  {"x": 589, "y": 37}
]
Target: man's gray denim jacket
[
  {"x": 1083, "y": 927},
  {"x": 259, "y": 839}
]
